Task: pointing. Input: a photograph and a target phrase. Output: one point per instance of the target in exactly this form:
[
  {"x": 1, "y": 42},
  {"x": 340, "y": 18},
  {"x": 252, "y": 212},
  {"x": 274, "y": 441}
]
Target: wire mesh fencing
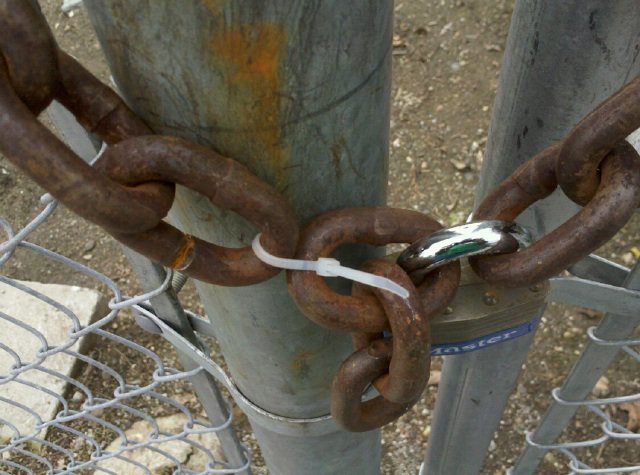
[
  {"x": 106, "y": 401},
  {"x": 608, "y": 407},
  {"x": 592, "y": 421},
  {"x": 123, "y": 408}
]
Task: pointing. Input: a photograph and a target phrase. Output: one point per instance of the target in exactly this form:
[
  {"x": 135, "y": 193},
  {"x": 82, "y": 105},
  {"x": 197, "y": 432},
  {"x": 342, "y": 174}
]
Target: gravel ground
[{"x": 447, "y": 57}]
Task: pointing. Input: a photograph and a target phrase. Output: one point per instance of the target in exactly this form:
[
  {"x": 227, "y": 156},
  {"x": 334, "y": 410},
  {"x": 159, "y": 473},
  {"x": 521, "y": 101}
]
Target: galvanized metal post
[
  {"x": 561, "y": 60},
  {"x": 299, "y": 92}
]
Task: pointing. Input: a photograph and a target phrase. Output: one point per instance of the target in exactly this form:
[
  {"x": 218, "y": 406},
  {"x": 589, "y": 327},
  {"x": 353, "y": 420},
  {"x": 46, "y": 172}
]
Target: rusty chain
[
  {"x": 585, "y": 148},
  {"x": 615, "y": 200},
  {"x": 130, "y": 200},
  {"x": 131, "y": 189},
  {"x": 228, "y": 185},
  {"x": 369, "y": 313}
]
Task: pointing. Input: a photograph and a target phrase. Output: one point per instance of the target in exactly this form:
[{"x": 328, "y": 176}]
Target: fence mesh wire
[
  {"x": 123, "y": 408},
  {"x": 618, "y": 418}
]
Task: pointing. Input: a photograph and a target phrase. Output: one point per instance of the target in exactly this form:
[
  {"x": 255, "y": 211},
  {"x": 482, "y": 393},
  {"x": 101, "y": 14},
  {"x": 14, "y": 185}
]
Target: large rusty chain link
[
  {"x": 368, "y": 313},
  {"x": 615, "y": 200},
  {"x": 135, "y": 191},
  {"x": 228, "y": 185},
  {"x": 131, "y": 188}
]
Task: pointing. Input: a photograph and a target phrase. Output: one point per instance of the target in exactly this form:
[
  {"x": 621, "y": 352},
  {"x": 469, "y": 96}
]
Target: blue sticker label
[{"x": 442, "y": 349}]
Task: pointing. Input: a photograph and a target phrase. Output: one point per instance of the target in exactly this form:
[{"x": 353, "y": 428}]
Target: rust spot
[
  {"x": 251, "y": 57},
  {"x": 300, "y": 364},
  {"x": 336, "y": 152},
  {"x": 214, "y": 6},
  {"x": 184, "y": 256}
]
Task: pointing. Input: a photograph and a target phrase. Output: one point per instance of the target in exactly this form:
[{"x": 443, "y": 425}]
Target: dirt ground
[{"x": 447, "y": 57}]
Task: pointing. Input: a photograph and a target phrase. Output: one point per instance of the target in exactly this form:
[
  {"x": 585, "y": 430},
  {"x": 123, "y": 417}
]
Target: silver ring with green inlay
[{"x": 446, "y": 245}]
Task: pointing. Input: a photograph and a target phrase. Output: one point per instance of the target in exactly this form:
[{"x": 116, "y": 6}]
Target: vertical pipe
[
  {"x": 561, "y": 60},
  {"x": 298, "y": 92},
  {"x": 213, "y": 402}
]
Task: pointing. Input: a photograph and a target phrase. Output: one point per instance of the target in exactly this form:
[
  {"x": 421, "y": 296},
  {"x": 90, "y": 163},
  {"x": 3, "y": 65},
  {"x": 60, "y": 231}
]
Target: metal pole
[
  {"x": 298, "y": 92},
  {"x": 168, "y": 307},
  {"x": 561, "y": 60}
]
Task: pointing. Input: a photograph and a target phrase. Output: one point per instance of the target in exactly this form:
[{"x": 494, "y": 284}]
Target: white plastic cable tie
[{"x": 328, "y": 267}]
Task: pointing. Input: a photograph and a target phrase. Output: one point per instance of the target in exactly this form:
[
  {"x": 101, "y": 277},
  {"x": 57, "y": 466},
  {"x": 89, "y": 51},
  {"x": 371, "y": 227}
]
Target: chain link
[
  {"x": 131, "y": 189},
  {"x": 583, "y": 151},
  {"x": 28, "y": 54},
  {"x": 228, "y": 185},
  {"x": 377, "y": 227},
  {"x": 350, "y": 382},
  {"x": 617, "y": 197},
  {"x": 411, "y": 330},
  {"x": 42, "y": 156}
]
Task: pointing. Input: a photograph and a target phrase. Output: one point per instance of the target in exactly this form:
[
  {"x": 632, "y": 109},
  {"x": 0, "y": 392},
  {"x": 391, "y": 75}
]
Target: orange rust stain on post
[
  {"x": 301, "y": 363},
  {"x": 214, "y": 6},
  {"x": 251, "y": 56}
]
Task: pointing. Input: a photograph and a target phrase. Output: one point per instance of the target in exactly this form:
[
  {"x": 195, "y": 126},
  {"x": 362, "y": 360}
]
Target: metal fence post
[
  {"x": 299, "y": 92},
  {"x": 561, "y": 60}
]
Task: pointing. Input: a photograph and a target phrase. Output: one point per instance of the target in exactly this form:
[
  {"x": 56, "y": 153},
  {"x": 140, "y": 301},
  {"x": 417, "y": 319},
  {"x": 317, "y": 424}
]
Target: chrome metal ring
[{"x": 458, "y": 242}]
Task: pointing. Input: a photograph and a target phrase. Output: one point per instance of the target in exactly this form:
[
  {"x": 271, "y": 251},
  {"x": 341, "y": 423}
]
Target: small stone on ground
[
  {"x": 186, "y": 453},
  {"x": 54, "y": 324}
]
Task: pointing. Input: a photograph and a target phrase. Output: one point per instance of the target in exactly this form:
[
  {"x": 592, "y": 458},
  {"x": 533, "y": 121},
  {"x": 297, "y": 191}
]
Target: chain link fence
[
  {"x": 607, "y": 409},
  {"x": 108, "y": 403},
  {"x": 108, "y": 421}
]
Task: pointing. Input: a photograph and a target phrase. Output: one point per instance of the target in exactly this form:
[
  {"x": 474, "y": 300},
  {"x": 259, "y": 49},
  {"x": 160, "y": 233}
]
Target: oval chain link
[
  {"x": 227, "y": 184},
  {"x": 28, "y": 54},
  {"x": 595, "y": 136},
  {"x": 350, "y": 382},
  {"x": 617, "y": 197},
  {"x": 411, "y": 332},
  {"x": 375, "y": 226}
]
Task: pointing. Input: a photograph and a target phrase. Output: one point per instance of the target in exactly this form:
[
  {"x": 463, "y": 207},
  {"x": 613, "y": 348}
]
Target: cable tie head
[{"x": 328, "y": 267}]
